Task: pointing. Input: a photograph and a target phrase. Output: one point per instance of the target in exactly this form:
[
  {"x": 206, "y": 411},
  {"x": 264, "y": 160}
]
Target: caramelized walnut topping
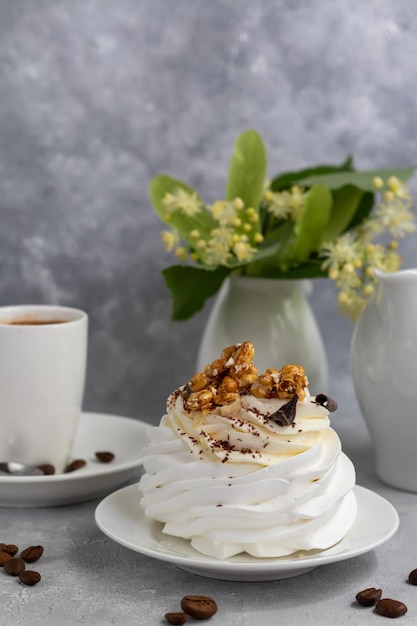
[
  {"x": 265, "y": 386},
  {"x": 216, "y": 369},
  {"x": 282, "y": 384},
  {"x": 292, "y": 380},
  {"x": 199, "y": 400},
  {"x": 228, "y": 404},
  {"x": 228, "y": 385},
  {"x": 220, "y": 387},
  {"x": 198, "y": 382}
]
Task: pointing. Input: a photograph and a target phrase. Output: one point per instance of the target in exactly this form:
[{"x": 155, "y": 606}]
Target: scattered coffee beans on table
[
  {"x": 176, "y": 619},
  {"x": 199, "y": 607},
  {"x": 412, "y": 577},
  {"x": 4, "y": 556},
  {"x": 383, "y": 606},
  {"x": 10, "y": 548},
  {"x": 390, "y": 608},
  {"x": 29, "y": 577},
  {"x": 32, "y": 554},
  {"x": 16, "y": 566},
  {"x": 368, "y": 597}
]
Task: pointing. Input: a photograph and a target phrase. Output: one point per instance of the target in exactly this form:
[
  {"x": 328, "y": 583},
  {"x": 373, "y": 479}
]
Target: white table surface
[{"x": 89, "y": 579}]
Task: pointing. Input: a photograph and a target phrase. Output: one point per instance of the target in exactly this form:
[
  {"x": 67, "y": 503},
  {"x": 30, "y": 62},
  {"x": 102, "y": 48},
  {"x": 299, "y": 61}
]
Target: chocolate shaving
[
  {"x": 286, "y": 414},
  {"x": 187, "y": 391},
  {"x": 327, "y": 402}
]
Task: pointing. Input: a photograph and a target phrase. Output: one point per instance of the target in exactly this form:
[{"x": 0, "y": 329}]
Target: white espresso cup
[{"x": 43, "y": 358}]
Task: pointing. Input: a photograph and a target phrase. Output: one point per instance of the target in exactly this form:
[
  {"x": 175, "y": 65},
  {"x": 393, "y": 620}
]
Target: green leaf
[
  {"x": 310, "y": 228},
  {"x": 363, "y": 211},
  {"x": 272, "y": 252},
  {"x": 309, "y": 269},
  {"x": 363, "y": 180},
  {"x": 190, "y": 287},
  {"x": 247, "y": 170},
  {"x": 275, "y": 242},
  {"x": 287, "y": 179},
  {"x": 163, "y": 184},
  {"x": 345, "y": 202}
]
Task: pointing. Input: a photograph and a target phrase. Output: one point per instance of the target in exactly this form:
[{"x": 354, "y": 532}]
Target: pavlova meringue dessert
[{"x": 248, "y": 462}]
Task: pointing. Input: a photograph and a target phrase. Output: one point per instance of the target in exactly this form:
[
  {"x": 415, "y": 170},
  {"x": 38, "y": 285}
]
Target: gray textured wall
[{"x": 99, "y": 96}]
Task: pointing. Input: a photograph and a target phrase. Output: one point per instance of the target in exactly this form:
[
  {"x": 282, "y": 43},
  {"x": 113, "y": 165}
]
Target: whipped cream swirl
[{"x": 245, "y": 482}]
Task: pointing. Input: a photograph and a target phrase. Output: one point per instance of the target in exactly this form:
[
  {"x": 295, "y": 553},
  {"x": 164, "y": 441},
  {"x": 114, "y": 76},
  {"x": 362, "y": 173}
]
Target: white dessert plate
[
  {"x": 120, "y": 517},
  {"x": 96, "y": 432}
]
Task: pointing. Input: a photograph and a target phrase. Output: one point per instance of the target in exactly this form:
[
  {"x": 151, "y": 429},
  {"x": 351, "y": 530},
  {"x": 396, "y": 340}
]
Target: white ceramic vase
[
  {"x": 276, "y": 316},
  {"x": 384, "y": 373}
]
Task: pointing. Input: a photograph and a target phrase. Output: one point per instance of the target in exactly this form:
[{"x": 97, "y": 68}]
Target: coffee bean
[
  {"x": 75, "y": 465},
  {"x": 199, "y": 607},
  {"x": 47, "y": 469},
  {"x": 32, "y": 554},
  {"x": 327, "y": 402},
  {"x": 4, "y": 556},
  {"x": 29, "y": 577},
  {"x": 14, "y": 566},
  {"x": 368, "y": 597},
  {"x": 177, "y": 619},
  {"x": 104, "y": 457},
  {"x": 10, "y": 548},
  {"x": 390, "y": 608},
  {"x": 412, "y": 577}
]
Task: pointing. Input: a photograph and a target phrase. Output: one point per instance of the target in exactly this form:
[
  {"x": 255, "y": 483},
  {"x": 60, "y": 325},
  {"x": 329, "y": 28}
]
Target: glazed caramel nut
[
  {"x": 199, "y": 401},
  {"x": 229, "y": 385},
  {"x": 198, "y": 382},
  {"x": 220, "y": 386},
  {"x": 292, "y": 380}
]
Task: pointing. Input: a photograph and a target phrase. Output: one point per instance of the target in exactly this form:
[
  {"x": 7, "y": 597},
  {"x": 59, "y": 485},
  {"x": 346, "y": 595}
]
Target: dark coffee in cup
[{"x": 32, "y": 322}]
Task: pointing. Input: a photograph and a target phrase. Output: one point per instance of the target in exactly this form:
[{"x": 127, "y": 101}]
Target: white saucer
[
  {"x": 121, "y": 518},
  {"x": 121, "y": 435}
]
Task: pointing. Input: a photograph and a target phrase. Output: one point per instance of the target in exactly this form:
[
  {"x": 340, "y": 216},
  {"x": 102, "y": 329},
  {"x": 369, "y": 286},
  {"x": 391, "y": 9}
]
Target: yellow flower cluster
[
  {"x": 284, "y": 204},
  {"x": 351, "y": 259},
  {"x": 227, "y": 233},
  {"x": 181, "y": 200},
  {"x": 232, "y": 238}
]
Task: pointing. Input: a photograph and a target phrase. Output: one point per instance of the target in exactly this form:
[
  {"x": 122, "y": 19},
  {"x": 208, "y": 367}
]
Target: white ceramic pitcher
[{"x": 384, "y": 372}]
